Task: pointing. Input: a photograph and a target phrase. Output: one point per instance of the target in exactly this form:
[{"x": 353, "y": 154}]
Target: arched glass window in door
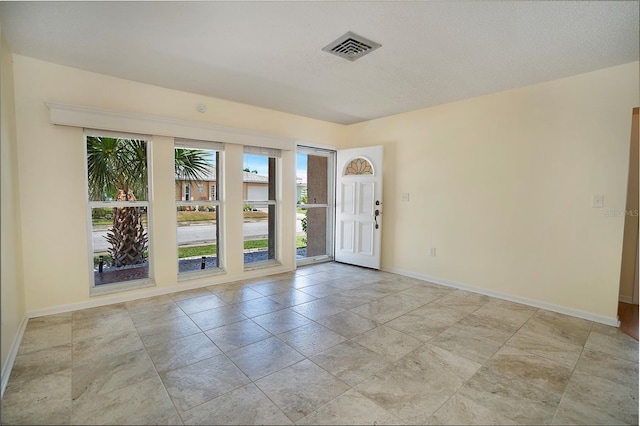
[{"x": 359, "y": 166}]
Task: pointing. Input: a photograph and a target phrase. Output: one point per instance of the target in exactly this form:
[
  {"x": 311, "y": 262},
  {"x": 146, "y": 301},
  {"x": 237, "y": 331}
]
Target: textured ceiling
[{"x": 269, "y": 54}]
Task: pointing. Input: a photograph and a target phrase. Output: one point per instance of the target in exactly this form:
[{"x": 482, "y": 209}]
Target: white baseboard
[
  {"x": 11, "y": 356},
  {"x": 525, "y": 301},
  {"x": 625, "y": 299}
]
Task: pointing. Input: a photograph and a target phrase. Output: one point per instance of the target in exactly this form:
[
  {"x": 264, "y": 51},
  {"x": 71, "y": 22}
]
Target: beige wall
[
  {"x": 13, "y": 302},
  {"x": 51, "y": 159},
  {"x": 501, "y": 185}
]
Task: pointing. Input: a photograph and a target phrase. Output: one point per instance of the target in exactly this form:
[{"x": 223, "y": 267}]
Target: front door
[{"x": 359, "y": 206}]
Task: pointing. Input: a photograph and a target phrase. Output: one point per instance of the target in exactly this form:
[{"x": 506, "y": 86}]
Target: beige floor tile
[
  {"x": 264, "y": 357},
  {"x": 45, "y": 332},
  {"x": 426, "y": 293},
  {"x": 149, "y": 315},
  {"x": 612, "y": 341},
  {"x": 256, "y": 307},
  {"x": 85, "y": 326},
  {"x": 387, "y": 308},
  {"x": 344, "y": 301},
  {"x": 190, "y": 294},
  {"x": 42, "y": 362},
  {"x": 99, "y": 377},
  {"x": 546, "y": 345},
  {"x": 106, "y": 346},
  {"x": 200, "y": 382},
  {"x": 291, "y": 298},
  {"x": 459, "y": 410},
  {"x": 351, "y": 362},
  {"x": 237, "y": 335},
  {"x": 301, "y": 388},
  {"x": 148, "y": 302},
  {"x": 152, "y": 334},
  {"x": 142, "y": 403},
  {"x": 462, "y": 300},
  {"x": 45, "y": 399},
  {"x": 521, "y": 386},
  {"x": 388, "y": 342},
  {"x": 322, "y": 290},
  {"x": 559, "y": 327},
  {"x": 512, "y": 314},
  {"x": 200, "y": 303},
  {"x": 417, "y": 326},
  {"x": 235, "y": 294},
  {"x": 317, "y": 309},
  {"x": 486, "y": 328},
  {"x": 442, "y": 314},
  {"x": 281, "y": 321},
  {"x": 415, "y": 386},
  {"x": 600, "y": 364},
  {"x": 595, "y": 399},
  {"x": 429, "y": 365},
  {"x": 181, "y": 352},
  {"x": 470, "y": 346},
  {"x": 348, "y": 324},
  {"x": 311, "y": 339},
  {"x": 272, "y": 287},
  {"x": 350, "y": 408},
  {"x": 214, "y": 318},
  {"x": 116, "y": 308},
  {"x": 246, "y": 405}
]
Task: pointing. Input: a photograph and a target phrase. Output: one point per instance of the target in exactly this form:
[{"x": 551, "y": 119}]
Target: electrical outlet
[
  {"x": 432, "y": 251},
  {"x": 405, "y": 197}
]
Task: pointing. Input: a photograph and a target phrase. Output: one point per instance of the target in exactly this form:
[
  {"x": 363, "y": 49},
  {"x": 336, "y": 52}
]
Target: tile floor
[{"x": 328, "y": 344}]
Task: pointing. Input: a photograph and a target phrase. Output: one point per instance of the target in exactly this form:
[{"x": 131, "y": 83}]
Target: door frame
[{"x": 331, "y": 154}]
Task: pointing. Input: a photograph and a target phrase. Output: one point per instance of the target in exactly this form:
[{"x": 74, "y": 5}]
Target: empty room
[{"x": 328, "y": 212}]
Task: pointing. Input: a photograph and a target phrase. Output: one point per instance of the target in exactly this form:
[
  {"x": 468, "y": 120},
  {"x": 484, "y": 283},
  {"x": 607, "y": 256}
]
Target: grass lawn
[{"x": 209, "y": 249}]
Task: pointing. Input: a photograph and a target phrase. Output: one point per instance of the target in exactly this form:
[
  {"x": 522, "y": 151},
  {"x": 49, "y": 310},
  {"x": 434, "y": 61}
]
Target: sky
[{"x": 261, "y": 164}]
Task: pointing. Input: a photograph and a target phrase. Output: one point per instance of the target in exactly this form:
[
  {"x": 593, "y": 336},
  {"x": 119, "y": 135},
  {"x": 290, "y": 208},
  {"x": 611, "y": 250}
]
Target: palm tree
[{"x": 117, "y": 169}]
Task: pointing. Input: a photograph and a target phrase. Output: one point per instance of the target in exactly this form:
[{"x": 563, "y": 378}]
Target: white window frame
[
  {"x": 276, "y": 154},
  {"x": 219, "y": 205},
  {"x": 187, "y": 191},
  {"x": 95, "y": 290}
]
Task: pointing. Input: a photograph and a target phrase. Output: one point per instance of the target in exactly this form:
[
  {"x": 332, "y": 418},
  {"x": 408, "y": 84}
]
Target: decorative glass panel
[{"x": 359, "y": 166}]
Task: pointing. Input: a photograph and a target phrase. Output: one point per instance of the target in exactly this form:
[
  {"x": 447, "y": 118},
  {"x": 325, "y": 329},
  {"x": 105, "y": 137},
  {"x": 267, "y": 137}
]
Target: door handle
[{"x": 375, "y": 217}]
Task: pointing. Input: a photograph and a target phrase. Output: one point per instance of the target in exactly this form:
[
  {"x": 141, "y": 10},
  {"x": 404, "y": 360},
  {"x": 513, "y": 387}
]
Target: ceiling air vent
[{"x": 351, "y": 46}]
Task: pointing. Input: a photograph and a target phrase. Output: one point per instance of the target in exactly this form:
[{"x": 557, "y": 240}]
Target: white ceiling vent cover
[{"x": 351, "y": 46}]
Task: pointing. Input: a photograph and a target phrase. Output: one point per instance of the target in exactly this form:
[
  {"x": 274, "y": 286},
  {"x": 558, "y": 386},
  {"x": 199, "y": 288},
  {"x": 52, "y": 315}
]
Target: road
[{"x": 192, "y": 234}]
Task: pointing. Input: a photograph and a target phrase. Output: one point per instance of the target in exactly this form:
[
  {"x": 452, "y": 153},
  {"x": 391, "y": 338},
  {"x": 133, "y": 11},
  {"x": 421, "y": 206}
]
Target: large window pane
[
  {"x": 197, "y": 209},
  {"x": 259, "y": 212},
  {"x": 119, "y": 253},
  {"x": 117, "y": 191}
]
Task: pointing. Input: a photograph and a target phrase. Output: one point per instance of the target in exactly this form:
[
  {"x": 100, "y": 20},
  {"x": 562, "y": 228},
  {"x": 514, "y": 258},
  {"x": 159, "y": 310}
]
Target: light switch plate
[
  {"x": 405, "y": 196},
  {"x": 597, "y": 201}
]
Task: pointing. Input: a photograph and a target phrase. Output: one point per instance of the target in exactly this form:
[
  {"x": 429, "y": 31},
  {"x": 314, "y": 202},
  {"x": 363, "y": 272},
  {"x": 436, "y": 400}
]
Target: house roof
[
  {"x": 246, "y": 177},
  {"x": 269, "y": 54}
]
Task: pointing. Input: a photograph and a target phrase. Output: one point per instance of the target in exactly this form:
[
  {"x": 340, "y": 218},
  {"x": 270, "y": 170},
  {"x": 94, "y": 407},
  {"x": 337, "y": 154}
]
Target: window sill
[
  {"x": 261, "y": 265},
  {"x": 188, "y": 276},
  {"x": 119, "y": 287}
]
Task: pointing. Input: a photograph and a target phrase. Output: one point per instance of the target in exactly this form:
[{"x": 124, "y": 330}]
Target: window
[
  {"x": 260, "y": 205},
  {"x": 198, "y": 214},
  {"x": 118, "y": 188}
]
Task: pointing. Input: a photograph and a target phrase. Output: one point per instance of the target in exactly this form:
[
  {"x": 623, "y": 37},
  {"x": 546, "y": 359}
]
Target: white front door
[{"x": 359, "y": 206}]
